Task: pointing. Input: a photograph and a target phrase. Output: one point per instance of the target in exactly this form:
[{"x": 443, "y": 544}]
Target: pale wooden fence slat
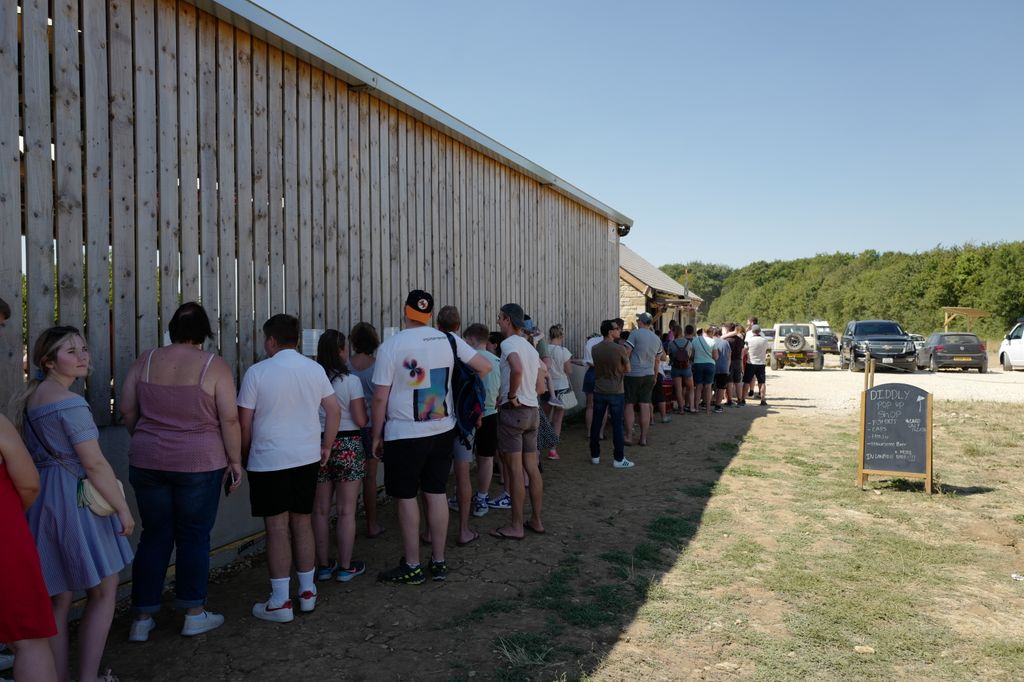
[
  {"x": 10, "y": 204},
  {"x": 244, "y": 203},
  {"x": 167, "y": 133},
  {"x": 146, "y": 309}
]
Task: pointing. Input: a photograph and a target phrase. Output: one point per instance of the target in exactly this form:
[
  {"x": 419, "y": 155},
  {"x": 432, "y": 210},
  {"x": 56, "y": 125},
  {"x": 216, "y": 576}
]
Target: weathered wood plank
[
  {"x": 167, "y": 153},
  {"x": 354, "y": 201},
  {"x": 332, "y": 313},
  {"x": 209, "y": 284},
  {"x": 97, "y": 202},
  {"x": 11, "y": 377},
  {"x": 188, "y": 146},
  {"x": 292, "y": 299},
  {"x": 406, "y": 255},
  {"x": 384, "y": 204},
  {"x": 122, "y": 191},
  {"x": 376, "y": 241},
  {"x": 393, "y": 309},
  {"x": 366, "y": 286},
  {"x": 460, "y": 254},
  {"x": 345, "y": 320},
  {"x": 275, "y": 180},
  {"x": 147, "y": 312},
  {"x": 306, "y": 263},
  {"x": 260, "y": 192},
  {"x": 68, "y": 163},
  {"x": 419, "y": 165},
  {"x": 435, "y": 213},
  {"x": 225, "y": 194},
  {"x": 244, "y": 116},
  {"x": 38, "y": 199}
]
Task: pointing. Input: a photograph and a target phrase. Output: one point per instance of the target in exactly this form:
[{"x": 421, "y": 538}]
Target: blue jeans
[
  {"x": 177, "y": 510},
  {"x": 604, "y": 402}
]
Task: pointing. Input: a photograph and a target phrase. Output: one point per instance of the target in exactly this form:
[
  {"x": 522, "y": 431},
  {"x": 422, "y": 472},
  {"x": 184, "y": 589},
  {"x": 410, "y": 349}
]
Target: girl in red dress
[{"x": 26, "y": 620}]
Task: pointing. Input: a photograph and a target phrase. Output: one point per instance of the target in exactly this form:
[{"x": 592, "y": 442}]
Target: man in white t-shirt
[
  {"x": 518, "y": 419},
  {"x": 283, "y": 448},
  {"x": 757, "y": 350},
  {"x": 412, "y": 387}
]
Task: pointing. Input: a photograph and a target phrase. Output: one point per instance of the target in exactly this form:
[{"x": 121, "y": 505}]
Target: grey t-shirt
[{"x": 646, "y": 346}]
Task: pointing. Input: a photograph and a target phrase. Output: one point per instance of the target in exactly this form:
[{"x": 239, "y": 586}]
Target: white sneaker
[
  {"x": 140, "y": 630},
  {"x": 204, "y": 622},
  {"x": 307, "y": 601},
  {"x": 595, "y": 460},
  {"x": 280, "y": 614},
  {"x": 624, "y": 464}
]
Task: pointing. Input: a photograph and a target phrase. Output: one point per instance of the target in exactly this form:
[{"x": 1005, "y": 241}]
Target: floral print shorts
[{"x": 347, "y": 461}]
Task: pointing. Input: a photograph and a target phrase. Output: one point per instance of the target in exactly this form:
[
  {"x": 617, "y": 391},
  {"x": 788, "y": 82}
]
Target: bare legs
[
  {"x": 281, "y": 549},
  {"x": 464, "y": 494},
  {"x": 33, "y": 660},
  {"x": 531, "y": 465},
  {"x": 347, "y": 493},
  {"x": 437, "y": 524},
  {"x": 92, "y": 630}
]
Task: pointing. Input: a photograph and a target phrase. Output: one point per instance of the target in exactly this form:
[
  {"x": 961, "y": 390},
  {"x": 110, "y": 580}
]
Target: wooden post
[{"x": 928, "y": 451}]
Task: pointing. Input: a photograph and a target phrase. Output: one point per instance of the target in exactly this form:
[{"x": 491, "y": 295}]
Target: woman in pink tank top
[{"x": 178, "y": 403}]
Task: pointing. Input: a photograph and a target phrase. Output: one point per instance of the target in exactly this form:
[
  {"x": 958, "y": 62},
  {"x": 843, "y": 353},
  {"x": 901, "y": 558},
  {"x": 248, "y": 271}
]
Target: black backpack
[
  {"x": 681, "y": 356},
  {"x": 468, "y": 396}
]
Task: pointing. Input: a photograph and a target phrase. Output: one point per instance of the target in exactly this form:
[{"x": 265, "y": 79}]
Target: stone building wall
[{"x": 631, "y": 303}]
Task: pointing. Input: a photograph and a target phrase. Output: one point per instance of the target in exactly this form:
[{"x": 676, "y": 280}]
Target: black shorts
[
  {"x": 752, "y": 372},
  {"x": 415, "y": 464},
  {"x": 487, "y": 436},
  {"x": 285, "y": 490},
  {"x": 736, "y": 372},
  {"x": 658, "y": 392},
  {"x": 722, "y": 381}
]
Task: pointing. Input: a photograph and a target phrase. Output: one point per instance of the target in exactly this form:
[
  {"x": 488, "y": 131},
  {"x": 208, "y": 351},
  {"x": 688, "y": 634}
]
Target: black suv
[{"x": 884, "y": 340}]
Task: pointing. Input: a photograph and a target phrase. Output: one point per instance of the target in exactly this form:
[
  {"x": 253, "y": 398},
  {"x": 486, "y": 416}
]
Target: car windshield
[
  {"x": 879, "y": 329},
  {"x": 959, "y": 338},
  {"x": 802, "y": 329}
]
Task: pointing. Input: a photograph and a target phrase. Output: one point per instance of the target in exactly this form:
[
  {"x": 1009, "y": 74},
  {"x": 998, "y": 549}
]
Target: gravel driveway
[{"x": 836, "y": 390}]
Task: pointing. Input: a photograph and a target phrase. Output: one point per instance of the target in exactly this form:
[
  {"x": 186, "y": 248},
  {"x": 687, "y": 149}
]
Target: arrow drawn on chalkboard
[{"x": 920, "y": 407}]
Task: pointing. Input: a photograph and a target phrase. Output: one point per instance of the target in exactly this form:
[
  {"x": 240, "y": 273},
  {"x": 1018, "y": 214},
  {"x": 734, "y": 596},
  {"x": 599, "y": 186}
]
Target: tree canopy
[{"x": 910, "y": 288}]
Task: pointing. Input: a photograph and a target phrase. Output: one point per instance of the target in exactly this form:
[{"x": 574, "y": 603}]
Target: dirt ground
[{"x": 581, "y": 601}]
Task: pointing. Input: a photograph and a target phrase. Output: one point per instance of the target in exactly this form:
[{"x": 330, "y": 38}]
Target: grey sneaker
[
  {"x": 480, "y": 507},
  {"x": 438, "y": 570},
  {"x": 624, "y": 464}
]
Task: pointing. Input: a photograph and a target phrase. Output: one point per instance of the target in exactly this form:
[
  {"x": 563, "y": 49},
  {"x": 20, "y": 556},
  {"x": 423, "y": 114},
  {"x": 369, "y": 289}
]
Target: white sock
[
  {"x": 279, "y": 588},
  {"x": 482, "y": 496},
  {"x": 306, "y": 583}
]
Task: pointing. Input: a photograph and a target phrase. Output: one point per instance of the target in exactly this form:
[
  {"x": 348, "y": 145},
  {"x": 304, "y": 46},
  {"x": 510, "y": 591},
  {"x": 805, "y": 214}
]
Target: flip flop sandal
[
  {"x": 501, "y": 536},
  {"x": 529, "y": 526}
]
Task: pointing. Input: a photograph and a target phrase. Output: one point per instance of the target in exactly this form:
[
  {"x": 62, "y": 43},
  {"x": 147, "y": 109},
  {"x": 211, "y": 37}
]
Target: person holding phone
[{"x": 178, "y": 403}]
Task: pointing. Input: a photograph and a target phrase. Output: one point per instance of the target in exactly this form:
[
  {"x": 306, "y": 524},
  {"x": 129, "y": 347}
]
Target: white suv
[{"x": 1011, "y": 350}]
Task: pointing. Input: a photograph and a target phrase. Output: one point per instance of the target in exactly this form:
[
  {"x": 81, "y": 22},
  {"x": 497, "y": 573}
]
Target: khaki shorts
[
  {"x": 638, "y": 389},
  {"x": 517, "y": 430}
]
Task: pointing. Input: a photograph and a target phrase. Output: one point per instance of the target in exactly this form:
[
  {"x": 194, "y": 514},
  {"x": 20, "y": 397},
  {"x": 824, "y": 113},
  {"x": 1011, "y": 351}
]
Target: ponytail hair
[
  {"x": 328, "y": 350},
  {"x": 43, "y": 352}
]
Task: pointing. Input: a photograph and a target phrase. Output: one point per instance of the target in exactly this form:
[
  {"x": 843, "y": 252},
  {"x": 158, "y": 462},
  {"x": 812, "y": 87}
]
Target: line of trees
[{"x": 911, "y": 288}]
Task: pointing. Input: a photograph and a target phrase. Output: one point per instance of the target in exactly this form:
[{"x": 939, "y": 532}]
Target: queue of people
[{"x": 310, "y": 435}]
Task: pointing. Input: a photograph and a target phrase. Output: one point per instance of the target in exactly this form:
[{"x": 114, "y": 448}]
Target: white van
[{"x": 1011, "y": 350}]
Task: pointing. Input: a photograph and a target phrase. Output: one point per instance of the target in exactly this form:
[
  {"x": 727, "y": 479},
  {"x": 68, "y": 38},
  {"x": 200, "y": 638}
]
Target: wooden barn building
[{"x": 160, "y": 151}]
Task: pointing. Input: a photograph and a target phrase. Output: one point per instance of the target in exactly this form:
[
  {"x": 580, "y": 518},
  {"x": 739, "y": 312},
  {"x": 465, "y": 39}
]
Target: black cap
[{"x": 419, "y": 305}]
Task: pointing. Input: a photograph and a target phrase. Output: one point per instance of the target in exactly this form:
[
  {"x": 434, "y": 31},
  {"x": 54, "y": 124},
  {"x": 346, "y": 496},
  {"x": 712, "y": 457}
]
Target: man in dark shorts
[
  {"x": 735, "y": 364},
  {"x": 282, "y": 449},
  {"x": 412, "y": 387}
]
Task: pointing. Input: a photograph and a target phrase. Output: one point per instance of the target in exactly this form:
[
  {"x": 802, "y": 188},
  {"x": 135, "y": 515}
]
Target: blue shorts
[
  {"x": 588, "y": 380},
  {"x": 704, "y": 373},
  {"x": 685, "y": 373}
]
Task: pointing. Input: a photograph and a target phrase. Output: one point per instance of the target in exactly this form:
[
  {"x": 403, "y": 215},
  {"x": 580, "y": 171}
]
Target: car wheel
[
  {"x": 933, "y": 366},
  {"x": 842, "y": 361},
  {"x": 1007, "y": 367},
  {"x": 819, "y": 363},
  {"x": 853, "y": 364},
  {"x": 983, "y": 369}
]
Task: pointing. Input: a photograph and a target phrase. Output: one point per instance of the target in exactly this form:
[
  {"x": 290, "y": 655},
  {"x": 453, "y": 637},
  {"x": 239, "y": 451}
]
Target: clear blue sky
[{"x": 731, "y": 131}]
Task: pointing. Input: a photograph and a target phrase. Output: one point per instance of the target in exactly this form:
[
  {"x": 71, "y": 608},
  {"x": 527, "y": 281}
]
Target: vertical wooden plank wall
[
  {"x": 10, "y": 204},
  {"x": 193, "y": 161}
]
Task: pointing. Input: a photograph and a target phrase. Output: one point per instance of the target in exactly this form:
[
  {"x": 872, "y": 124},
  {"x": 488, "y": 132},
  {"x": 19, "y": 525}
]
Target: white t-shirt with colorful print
[{"x": 417, "y": 364}]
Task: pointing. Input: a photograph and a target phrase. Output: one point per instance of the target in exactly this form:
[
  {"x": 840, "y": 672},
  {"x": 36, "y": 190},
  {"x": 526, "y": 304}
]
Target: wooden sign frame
[{"x": 863, "y": 473}]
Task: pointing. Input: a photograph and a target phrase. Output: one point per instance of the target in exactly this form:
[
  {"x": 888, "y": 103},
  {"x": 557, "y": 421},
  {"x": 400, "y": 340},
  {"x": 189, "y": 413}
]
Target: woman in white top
[
  {"x": 343, "y": 474},
  {"x": 564, "y": 397}
]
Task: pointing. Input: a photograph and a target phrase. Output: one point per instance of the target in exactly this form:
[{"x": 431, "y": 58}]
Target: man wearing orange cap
[{"x": 412, "y": 386}]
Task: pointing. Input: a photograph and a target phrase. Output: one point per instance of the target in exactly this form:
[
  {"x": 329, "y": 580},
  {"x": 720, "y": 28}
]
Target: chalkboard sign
[{"x": 896, "y": 433}]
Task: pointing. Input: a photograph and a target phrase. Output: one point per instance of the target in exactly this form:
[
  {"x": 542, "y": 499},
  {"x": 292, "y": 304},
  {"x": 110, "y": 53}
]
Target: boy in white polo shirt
[{"x": 283, "y": 448}]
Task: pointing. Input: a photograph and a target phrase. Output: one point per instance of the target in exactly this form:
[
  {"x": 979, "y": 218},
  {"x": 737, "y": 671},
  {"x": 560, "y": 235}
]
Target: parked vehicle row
[{"x": 885, "y": 341}]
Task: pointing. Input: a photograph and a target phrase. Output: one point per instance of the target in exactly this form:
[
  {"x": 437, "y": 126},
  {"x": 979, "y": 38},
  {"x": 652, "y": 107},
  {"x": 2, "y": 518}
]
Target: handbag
[{"x": 87, "y": 494}]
